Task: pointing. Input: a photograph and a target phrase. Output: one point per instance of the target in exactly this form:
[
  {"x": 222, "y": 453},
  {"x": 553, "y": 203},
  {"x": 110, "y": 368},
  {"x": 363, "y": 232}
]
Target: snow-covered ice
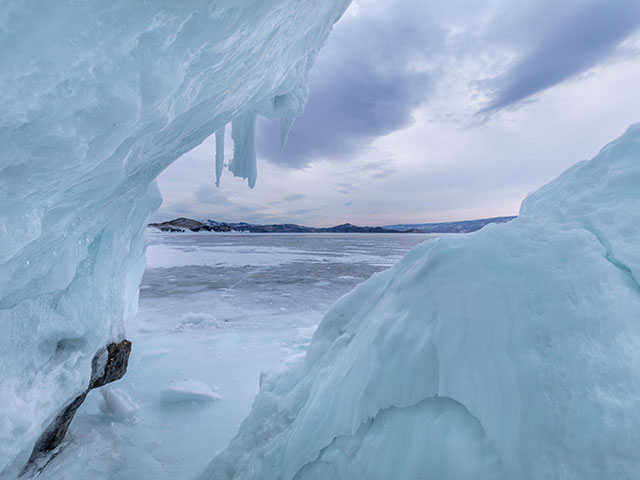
[
  {"x": 509, "y": 353},
  {"x": 116, "y": 402},
  {"x": 188, "y": 391},
  {"x": 220, "y": 328}
]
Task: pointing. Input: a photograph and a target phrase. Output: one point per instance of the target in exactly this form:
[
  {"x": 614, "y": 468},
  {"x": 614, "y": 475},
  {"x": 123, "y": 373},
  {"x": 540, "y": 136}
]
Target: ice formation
[
  {"x": 97, "y": 99},
  {"x": 116, "y": 402},
  {"x": 510, "y": 353},
  {"x": 243, "y": 163},
  {"x": 219, "y": 154},
  {"x": 188, "y": 391}
]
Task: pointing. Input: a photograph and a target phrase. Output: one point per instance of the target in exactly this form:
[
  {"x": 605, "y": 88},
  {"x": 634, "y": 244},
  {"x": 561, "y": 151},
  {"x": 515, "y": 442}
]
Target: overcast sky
[{"x": 433, "y": 110}]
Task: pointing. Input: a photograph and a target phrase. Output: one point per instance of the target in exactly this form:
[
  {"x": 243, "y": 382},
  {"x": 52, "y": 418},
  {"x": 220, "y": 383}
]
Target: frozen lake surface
[{"x": 216, "y": 310}]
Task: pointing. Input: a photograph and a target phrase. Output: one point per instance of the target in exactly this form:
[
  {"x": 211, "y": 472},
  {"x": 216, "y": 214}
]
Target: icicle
[
  {"x": 243, "y": 133},
  {"x": 219, "y": 154},
  {"x": 285, "y": 126}
]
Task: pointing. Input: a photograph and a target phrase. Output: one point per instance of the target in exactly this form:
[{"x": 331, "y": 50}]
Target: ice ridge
[{"x": 508, "y": 353}]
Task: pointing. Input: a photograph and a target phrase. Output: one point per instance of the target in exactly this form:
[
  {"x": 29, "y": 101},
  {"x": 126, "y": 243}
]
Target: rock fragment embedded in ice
[
  {"x": 188, "y": 391},
  {"x": 108, "y": 365}
]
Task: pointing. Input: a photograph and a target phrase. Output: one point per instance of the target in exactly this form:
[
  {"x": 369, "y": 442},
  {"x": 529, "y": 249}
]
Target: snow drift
[
  {"x": 97, "y": 99},
  {"x": 510, "y": 353}
]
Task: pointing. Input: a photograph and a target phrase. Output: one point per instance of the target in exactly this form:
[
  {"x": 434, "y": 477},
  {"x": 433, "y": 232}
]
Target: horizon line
[{"x": 339, "y": 224}]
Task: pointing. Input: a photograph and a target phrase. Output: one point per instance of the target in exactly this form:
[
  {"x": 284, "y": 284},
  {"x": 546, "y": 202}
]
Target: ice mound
[
  {"x": 510, "y": 353},
  {"x": 188, "y": 391},
  {"x": 116, "y": 402},
  {"x": 97, "y": 99},
  {"x": 194, "y": 320}
]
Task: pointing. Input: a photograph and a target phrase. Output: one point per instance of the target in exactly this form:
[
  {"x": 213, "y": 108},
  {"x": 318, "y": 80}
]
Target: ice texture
[
  {"x": 509, "y": 353},
  {"x": 188, "y": 391},
  {"x": 243, "y": 163},
  {"x": 219, "y": 154},
  {"x": 98, "y": 98},
  {"x": 116, "y": 402}
]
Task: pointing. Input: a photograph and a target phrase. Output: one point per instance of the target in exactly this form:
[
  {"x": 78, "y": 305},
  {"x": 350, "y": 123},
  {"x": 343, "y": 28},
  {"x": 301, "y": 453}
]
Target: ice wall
[
  {"x": 510, "y": 353},
  {"x": 97, "y": 99}
]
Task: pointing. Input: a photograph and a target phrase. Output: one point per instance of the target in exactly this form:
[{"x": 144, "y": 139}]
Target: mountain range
[{"x": 187, "y": 224}]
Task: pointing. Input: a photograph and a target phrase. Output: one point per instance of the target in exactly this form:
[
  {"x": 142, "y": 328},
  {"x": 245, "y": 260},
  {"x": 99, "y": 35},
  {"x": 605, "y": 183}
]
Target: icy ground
[{"x": 215, "y": 311}]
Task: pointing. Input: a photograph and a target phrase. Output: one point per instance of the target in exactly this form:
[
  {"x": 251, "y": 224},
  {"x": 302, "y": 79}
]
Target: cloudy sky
[{"x": 434, "y": 110}]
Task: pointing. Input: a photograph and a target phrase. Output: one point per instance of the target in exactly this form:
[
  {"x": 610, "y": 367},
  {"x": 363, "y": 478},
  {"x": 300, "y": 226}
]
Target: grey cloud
[
  {"x": 213, "y": 204},
  {"x": 368, "y": 79},
  {"x": 176, "y": 210},
  {"x": 347, "y": 187},
  {"x": 306, "y": 211},
  {"x": 372, "y": 73},
  {"x": 545, "y": 42},
  {"x": 293, "y": 198},
  {"x": 378, "y": 169},
  {"x": 302, "y": 211},
  {"x": 383, "y": 173},
  {"x": 372, "y": 166},
  {"x": 568, "y": 41}
]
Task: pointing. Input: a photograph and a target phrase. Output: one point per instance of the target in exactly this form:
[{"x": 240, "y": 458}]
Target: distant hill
[
  {"x": 188, "y": 224},
  {"x": 293, "y": 228},
  {"x": 254, "y": 228},
  {"x": 183, "y": 224},
  {"x": 465, "y": 226}
]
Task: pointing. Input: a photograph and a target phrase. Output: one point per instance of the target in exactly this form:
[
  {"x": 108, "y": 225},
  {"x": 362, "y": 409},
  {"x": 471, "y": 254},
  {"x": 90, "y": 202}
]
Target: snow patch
[
  {"x": 188, "y": 391},
  {"x": 194, "y": 320},
  {"x": 117, "y": 402}
]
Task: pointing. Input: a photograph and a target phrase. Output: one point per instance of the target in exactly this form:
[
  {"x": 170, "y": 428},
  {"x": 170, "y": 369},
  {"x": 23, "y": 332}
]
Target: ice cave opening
[{"x": 98, "y": 99}]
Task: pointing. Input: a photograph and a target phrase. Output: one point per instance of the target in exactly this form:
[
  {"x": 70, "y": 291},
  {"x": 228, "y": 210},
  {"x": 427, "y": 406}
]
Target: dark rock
[
  {"x": 116, "y": 364},
  {"x": 55, "y": 432},
  {"x": 108, "y": 365}
]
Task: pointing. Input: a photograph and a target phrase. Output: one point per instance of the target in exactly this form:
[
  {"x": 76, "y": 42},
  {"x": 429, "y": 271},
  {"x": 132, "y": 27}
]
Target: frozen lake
[{"x": 216, "y": 310}]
